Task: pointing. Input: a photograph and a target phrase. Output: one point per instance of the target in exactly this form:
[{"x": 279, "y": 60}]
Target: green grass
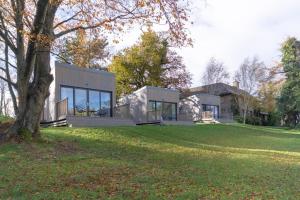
[
  {"x": 154, "y": 162},
  {"x": 4, "y": 118}
]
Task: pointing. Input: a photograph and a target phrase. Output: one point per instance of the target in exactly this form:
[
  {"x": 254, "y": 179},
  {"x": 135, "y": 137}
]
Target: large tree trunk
[
  {"x": 33, "y": 90},
  {"x": 28, "y": 118}
]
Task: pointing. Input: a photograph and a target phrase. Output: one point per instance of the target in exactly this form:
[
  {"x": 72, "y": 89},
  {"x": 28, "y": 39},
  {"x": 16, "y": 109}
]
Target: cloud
[
  {"x": 232, "y": 30},
  {"x": 235, "y": 29}
]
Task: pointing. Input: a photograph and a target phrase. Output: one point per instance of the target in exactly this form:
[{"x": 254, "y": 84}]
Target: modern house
[
  {"x": 153, "y": 104},
  {"x": 87, "y": 97},
  {"x": 200, "y": 106},
  {"x": 84, "y": 97},
  {"x": 222, "y": 100}
]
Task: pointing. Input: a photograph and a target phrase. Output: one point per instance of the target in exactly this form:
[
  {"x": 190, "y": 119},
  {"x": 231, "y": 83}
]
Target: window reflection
[
  {"x": 105, "y": 109},
  {"x": 80, "y": 102},
  {"x": 94, "y": 103},
  {"x": 67, "y": 93},
  {"x": 87, "y": 102}
]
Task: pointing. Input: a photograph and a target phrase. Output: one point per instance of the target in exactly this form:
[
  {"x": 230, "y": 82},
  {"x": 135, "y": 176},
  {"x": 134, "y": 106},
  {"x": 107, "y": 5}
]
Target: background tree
[
  {"x": 149, "y": 62},
  {"x": 31, "y": 29},
  {"x": 267, "y": 94},
  {"x": 84, "y": 51},
  {"x": 289, "y": 100},
  {"x": 249, "y": 75},
  {"x": 215, "y": 72}
]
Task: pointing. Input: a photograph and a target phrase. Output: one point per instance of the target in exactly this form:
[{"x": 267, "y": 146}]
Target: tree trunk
[
  {"x": 32, "y": 98},
  {"x": 28, "y": 118},
  {"x": 33, "y": 90}
]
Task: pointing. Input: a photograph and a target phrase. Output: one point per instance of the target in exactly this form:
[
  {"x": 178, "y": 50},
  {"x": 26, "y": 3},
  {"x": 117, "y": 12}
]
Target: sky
[{"x": 231, "y": 30}]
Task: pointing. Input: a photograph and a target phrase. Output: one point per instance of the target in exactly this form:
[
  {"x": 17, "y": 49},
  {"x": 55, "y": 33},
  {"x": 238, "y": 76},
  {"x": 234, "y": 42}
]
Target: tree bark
[{"x": 33, "y": 90}]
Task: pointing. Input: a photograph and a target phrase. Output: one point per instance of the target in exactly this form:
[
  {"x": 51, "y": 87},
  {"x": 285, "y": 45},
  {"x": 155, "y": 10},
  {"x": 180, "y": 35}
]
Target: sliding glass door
[
  {"x": 162, "y": 111},
  {"x": 87, "y": 102},
  {"x": 213, "y": 109}
]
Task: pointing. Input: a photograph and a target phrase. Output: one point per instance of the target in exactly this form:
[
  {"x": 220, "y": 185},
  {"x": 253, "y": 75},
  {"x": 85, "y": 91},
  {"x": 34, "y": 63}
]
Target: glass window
[
  {"x": 213, "y": 109},
  {"x": 94, "y": 103},
  {"x": 105, "y": 109},
  {"x": 80, "y": 102},
  {"x": 174, "y": 111},
  {"x": 169, "y": 111},
  {"x": 151, "y": 111},
  {"x": 67, "y": 93},
  {"x": 162, "y": 110},
  {"x": 159, "y": 109}
]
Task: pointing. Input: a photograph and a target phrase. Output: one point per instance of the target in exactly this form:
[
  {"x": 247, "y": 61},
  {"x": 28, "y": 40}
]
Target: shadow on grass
[{"x": 128, "y": 161}]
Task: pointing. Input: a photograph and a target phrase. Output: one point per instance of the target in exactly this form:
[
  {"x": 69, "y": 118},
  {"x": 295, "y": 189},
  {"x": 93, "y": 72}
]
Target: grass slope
[{"x": 154, "y": 162}]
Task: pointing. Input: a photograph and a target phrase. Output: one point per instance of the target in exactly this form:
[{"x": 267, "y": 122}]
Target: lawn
[{"x": 154, "y": 162}]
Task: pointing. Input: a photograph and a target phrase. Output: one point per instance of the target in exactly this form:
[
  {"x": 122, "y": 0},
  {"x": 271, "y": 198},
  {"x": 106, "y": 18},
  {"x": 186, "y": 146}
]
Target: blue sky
[{"x": 231, "y": 30}]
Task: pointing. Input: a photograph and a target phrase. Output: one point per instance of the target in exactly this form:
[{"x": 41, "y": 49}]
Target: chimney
[{"x": 236, "y": 84}]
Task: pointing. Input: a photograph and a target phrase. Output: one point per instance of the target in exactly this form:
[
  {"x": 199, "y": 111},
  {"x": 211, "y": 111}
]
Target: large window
[
  {"x": 162, "y": 110},
  {"x": 87, "y": 102}
]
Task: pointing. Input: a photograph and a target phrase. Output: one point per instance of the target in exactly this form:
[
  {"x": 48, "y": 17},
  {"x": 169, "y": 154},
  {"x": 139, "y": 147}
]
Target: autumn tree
[
  {"x": 215, "y": 72},
  {"x": 250, "y": 73},
  {"x": 150, "y": 62},
  {"x": 289, "y": 100},
  {"x": 84, "y": 51},
  {"x": 30, "y": 29}
]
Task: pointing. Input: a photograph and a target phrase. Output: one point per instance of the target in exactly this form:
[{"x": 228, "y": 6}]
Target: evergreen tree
[{"x": 289, "y": 100}]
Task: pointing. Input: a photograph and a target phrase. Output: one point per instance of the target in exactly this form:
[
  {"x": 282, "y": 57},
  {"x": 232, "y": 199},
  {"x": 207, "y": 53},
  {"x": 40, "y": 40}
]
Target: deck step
[{"x": 55, "y": 123}]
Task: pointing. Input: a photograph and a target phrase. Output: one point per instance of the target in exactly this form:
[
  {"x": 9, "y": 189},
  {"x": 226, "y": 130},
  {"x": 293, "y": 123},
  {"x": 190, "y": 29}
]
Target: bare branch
[
  {"x": 66, "y": 20},
  {"x": 8, "y": 81},
  {"x": 13, "y": 66},
  {"x": 62, "y": 33},
  {"x": 56, "y": 54},
  {"x": 4, "y": 35}
]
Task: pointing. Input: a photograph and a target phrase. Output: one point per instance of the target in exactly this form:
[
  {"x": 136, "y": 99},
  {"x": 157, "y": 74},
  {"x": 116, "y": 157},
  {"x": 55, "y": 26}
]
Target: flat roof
[
  {"x": 82, "y": 69},
  {"x": 157, "y": 88}
]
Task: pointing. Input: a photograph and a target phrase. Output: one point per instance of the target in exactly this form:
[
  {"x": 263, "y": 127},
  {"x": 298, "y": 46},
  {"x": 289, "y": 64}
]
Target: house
[
  {"x": 153, "y": 104},
  {"x": 200, "y": 106},
  {"x": 223, "y": 100},
  {"x": 87, "y": 97},
  {"x": 84, "y": 97}
]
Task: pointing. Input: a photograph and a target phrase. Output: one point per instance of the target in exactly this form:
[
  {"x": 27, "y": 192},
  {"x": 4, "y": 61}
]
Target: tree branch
[
  {"x": 66, "y": 20},
  {"x": 62, "y": 33},
  {"x": 13, "y": 66},
  {"x": 56, "y": 54},
  {"x": 5, "y": 36},
  {"x": 8, "y": 81}
]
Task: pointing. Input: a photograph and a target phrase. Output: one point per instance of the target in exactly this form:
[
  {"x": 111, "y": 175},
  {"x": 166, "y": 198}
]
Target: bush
[
  {"x": 238, "y": 119},
  {"x": 253, "y": 120}
]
